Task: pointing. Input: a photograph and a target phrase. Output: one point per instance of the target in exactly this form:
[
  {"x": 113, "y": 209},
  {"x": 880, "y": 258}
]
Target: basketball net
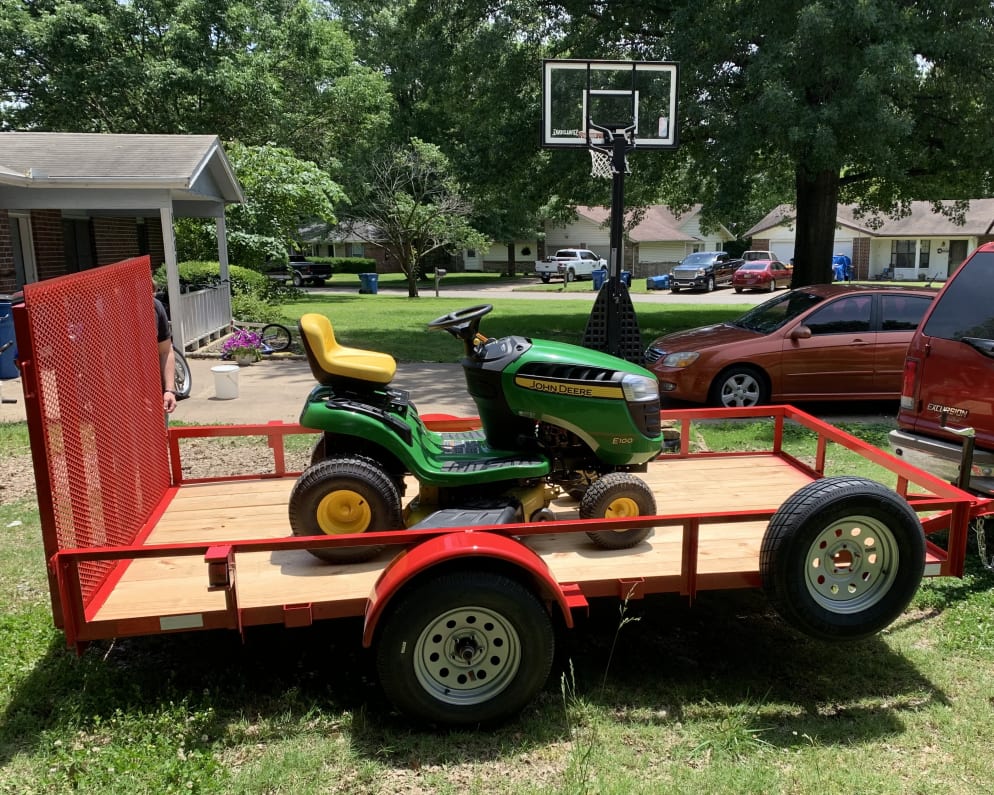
[{"x": 601, "y": 165}]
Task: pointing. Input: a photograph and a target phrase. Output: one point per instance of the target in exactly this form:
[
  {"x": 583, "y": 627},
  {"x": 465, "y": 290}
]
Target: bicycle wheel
[
  {"x": 277, "y": 337},
  {"x": 183, "y": 381}
]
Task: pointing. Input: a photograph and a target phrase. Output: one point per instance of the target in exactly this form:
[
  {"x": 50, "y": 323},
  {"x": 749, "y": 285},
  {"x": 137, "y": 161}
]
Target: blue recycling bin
[
  {"x": 661, "y": 282},
  {"x": 599, "y": 277},
  {"x": 626, "y": 278},
  {"x": 368, "y": 283},
  {"x": 7, "y": 367}
]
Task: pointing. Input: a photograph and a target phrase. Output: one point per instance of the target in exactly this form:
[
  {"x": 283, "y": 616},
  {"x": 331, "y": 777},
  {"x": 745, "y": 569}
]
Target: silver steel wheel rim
[
  {"x": 852, "y": 564},
  {"x": 467, "y": 656},
  {"x": 740, "y": 390}
]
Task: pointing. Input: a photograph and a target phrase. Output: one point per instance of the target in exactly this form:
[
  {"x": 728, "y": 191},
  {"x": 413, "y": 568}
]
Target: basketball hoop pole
[{"x": 620, "y": 148}]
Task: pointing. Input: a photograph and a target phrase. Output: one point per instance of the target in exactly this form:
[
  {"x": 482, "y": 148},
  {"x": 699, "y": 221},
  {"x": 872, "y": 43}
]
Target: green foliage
[
  {"x": 412, "y": 206},
  {"x": 249, "y": 308}
]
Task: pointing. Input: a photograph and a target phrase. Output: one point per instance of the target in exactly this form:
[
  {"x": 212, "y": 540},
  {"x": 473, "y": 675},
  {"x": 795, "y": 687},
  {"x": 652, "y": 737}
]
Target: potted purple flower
[{"x": 244, "y": 346}]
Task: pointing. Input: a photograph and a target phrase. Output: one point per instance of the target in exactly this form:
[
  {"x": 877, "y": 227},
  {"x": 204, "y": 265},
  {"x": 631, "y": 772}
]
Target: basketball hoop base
[{"x": 614, "y": 305}]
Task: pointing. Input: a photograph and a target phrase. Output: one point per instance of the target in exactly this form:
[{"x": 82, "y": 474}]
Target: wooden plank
[{"x": 218, "y": 512}]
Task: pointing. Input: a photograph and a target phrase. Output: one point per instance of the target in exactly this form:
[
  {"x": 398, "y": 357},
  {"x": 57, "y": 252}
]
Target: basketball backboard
[{"x": 611, "y": 94}]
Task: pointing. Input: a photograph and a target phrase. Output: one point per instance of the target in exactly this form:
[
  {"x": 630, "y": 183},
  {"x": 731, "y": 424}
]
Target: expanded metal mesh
[{"x": 93, "y": 361}]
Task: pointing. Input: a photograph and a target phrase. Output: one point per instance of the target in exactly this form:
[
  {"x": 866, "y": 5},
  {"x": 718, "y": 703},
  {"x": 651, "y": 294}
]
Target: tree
[
  {"x": 281, "y": 192},
  {"x": 247, "y": 70},
  {"x": 875, "y": 103},
  {"x": 412, "y": 206}
]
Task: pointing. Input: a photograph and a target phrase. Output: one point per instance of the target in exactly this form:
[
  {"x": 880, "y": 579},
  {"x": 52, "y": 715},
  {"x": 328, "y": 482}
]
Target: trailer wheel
[
  {"x": 618, "y": 495},
  {"x": 465, "y": 648},
  {"x": 842, "y": 558},
  {"x": 337, "y": 496}
]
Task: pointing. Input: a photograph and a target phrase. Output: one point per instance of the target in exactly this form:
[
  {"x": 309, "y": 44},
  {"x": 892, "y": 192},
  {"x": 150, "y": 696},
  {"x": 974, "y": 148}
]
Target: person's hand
[{"x": 168, "y": 401}]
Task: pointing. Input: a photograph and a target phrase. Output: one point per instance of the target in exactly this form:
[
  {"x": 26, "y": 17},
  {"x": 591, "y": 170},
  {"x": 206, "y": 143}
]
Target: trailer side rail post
[
  {"x": 71, "y": 600},
  {"x": 688, "y": 566}
]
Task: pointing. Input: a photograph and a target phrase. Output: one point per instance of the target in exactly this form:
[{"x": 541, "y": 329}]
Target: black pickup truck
[
  {"x": 704, "y": 270},
  {"x": 300, "y": 271}
]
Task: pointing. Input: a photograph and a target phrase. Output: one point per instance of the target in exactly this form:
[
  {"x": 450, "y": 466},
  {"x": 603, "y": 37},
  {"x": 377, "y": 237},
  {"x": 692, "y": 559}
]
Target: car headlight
[
  {"x": 680, "y": 359},
  {"x": 639, "y": 389},
  {"x": 701, "y": 272}
]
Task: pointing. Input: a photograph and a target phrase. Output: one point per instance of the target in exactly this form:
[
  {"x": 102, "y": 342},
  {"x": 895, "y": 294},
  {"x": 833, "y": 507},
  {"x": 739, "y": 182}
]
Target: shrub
[
  {"x": 348, "y": 264},
  {"x": 252, "y": 309}
]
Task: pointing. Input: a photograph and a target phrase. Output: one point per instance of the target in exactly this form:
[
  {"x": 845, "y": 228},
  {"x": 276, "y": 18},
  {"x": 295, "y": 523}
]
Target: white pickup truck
[{"x": 569, "y": 264}]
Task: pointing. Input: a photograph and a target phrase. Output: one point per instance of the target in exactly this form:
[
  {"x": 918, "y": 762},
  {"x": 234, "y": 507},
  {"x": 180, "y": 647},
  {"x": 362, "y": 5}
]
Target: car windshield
[
  {"x": 772, "y": 314},
  {"x": 753, "y": 266},
  {"x": 695, "y": 260}
]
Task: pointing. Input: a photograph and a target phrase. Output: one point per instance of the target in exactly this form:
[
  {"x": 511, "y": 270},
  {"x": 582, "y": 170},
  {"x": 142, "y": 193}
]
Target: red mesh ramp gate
[{"x": 93, "y": 396}]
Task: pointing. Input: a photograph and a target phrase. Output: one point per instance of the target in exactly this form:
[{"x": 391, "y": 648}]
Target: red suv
[{"x": 949, "y": 378}]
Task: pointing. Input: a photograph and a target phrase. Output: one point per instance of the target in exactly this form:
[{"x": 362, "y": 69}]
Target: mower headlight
[
  {"x": 639, "y": 389},
  {"x": 680, "y": 359}
]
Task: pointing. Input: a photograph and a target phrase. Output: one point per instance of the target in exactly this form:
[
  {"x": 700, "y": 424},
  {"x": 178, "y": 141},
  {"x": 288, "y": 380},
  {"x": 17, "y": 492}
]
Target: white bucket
[{"x": 225, "y": 381}]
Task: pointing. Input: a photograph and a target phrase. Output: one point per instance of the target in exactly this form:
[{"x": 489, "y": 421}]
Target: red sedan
[
  {"x": 761, "y": 274},
  {"x": 825, "y": 342}
]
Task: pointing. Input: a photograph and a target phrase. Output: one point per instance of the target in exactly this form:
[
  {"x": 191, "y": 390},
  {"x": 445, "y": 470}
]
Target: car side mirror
[{"x": 802, "y": 332}]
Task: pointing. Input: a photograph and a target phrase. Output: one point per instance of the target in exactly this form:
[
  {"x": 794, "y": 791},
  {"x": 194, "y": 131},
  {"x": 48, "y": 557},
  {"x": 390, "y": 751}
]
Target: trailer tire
[
  {"x": 344, "y": 495},
  {"x": 842, "y": 558},
  {"x": 618, "y": 495},
  {"x": 465, "y": 648}
]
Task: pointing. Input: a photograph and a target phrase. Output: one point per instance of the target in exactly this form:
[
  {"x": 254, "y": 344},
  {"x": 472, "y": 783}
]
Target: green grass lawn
[
  {"x": 653, "y": 696},
  {"x": 397, "y": 324}
]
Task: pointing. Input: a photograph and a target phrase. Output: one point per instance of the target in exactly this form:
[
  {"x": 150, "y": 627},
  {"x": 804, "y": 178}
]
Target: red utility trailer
[{"x": 463, "y": 620}]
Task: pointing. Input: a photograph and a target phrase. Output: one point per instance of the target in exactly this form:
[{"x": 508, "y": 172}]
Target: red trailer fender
[{"x": 451, "y": 546}]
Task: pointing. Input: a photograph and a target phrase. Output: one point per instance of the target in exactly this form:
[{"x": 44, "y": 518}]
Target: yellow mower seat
[{"x": 331, "y": 362}]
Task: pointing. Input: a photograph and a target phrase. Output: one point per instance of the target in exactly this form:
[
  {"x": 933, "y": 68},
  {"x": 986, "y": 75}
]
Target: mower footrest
[{"x": 468, "y": 517}]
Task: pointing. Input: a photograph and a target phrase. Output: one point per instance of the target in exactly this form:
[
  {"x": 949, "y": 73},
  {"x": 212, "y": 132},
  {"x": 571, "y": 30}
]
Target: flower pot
[{"x": 244, "y": 361}]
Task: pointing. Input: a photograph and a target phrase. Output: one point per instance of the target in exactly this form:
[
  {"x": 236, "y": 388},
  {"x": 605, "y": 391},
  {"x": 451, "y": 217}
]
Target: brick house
[{"x": 72, "y": 201}]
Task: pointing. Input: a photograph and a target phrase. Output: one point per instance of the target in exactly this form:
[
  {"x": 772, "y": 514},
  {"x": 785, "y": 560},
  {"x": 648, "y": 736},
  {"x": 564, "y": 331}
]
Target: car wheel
[
  {"x": 674, "y": 289},
  {"x": 842, "y": 558},
  {"x": 709, "y": 287},
  {"x": 739, "y": 386},
  {"x": 545, "y": 278},
  {"x": 298, "y": 280},
  {"x": 771, "y": 286},
  {"x": 738, "y": 289},
  {"x": 570, "y": 276}
]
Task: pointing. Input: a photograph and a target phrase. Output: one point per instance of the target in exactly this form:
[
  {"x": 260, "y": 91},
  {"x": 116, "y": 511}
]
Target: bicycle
[{"x": 183, "y": 380}]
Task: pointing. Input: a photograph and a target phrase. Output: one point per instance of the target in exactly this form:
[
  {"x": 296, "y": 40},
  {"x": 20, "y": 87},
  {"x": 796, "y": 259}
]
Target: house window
[
  {"x": 354, "y": 250},
  {"x": 902, "y": 253},
  {"x": 924, "y": 248},
  {"x": 77, "y": 244}
]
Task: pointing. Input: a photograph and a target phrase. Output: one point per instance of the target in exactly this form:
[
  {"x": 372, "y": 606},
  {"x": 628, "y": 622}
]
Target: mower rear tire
[
  {"x": 618, "y": 495},
  {"x": 339, "y": 496},
  {"x": 842, "y": 558},
  {"x": 465, "y": 648}
]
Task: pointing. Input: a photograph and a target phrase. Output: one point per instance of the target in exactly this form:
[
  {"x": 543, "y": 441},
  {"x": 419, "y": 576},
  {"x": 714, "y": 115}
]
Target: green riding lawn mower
[{"x": 554, "y": 418}]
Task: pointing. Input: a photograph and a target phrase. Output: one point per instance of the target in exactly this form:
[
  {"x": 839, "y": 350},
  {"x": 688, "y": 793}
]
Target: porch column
[
  {"x": 172, "y": 276},
  {"x": 222, "y": 258}
]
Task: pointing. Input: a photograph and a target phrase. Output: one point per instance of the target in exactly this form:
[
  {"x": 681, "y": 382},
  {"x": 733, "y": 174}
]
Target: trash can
[
  {"x": 626, "y": 278},
  {"x": 658, "y": 282},
  {"x": 368, "y": 283},
  {"x": 7, "y": 367},
  {"x": 225, "y": 381},
  {"x": 599, "y": 277}
]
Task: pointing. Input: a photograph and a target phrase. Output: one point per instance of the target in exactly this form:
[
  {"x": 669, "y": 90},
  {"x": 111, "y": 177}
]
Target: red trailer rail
[{"x": 135, "y": 547}]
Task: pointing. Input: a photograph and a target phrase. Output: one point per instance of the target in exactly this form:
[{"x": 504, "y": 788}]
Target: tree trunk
[
  {"x": 817, "y": 211},
  {"x": 412, "y": 269},
  {"x": 510, "y": 259}
]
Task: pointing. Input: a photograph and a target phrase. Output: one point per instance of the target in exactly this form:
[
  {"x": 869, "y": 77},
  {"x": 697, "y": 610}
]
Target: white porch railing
[{"x": 206, "y": 315}]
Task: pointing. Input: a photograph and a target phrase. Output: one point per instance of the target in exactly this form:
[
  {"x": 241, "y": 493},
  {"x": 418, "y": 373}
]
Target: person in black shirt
[{"x": 167, "y": 362}]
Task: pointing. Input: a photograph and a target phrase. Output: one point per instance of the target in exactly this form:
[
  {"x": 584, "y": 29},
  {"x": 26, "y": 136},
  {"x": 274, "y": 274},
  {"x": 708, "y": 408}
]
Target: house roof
[
  {"x": 190, "y": 166},
  {"x": 923, "y": 221},
  {"x": 658, "y": 223}
]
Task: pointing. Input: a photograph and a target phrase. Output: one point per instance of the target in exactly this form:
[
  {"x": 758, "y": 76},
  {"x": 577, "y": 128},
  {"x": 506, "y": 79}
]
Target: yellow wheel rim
[
  {"x": 622, "y": 508},
  {"x": 343, "y": 511}
]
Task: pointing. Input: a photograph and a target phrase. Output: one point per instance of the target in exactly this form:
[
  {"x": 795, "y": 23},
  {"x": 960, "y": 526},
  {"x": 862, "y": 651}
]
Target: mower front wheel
[
  {"x": 340, "y": 496},
  {"x": 618, "y": 495}
]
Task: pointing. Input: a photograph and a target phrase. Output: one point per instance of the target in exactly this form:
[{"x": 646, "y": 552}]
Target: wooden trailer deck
[{"x": 214, "y": 513}]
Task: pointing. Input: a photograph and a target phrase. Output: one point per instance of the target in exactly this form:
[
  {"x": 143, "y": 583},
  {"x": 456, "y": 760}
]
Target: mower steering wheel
[{"x": 462, "y": 316}]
